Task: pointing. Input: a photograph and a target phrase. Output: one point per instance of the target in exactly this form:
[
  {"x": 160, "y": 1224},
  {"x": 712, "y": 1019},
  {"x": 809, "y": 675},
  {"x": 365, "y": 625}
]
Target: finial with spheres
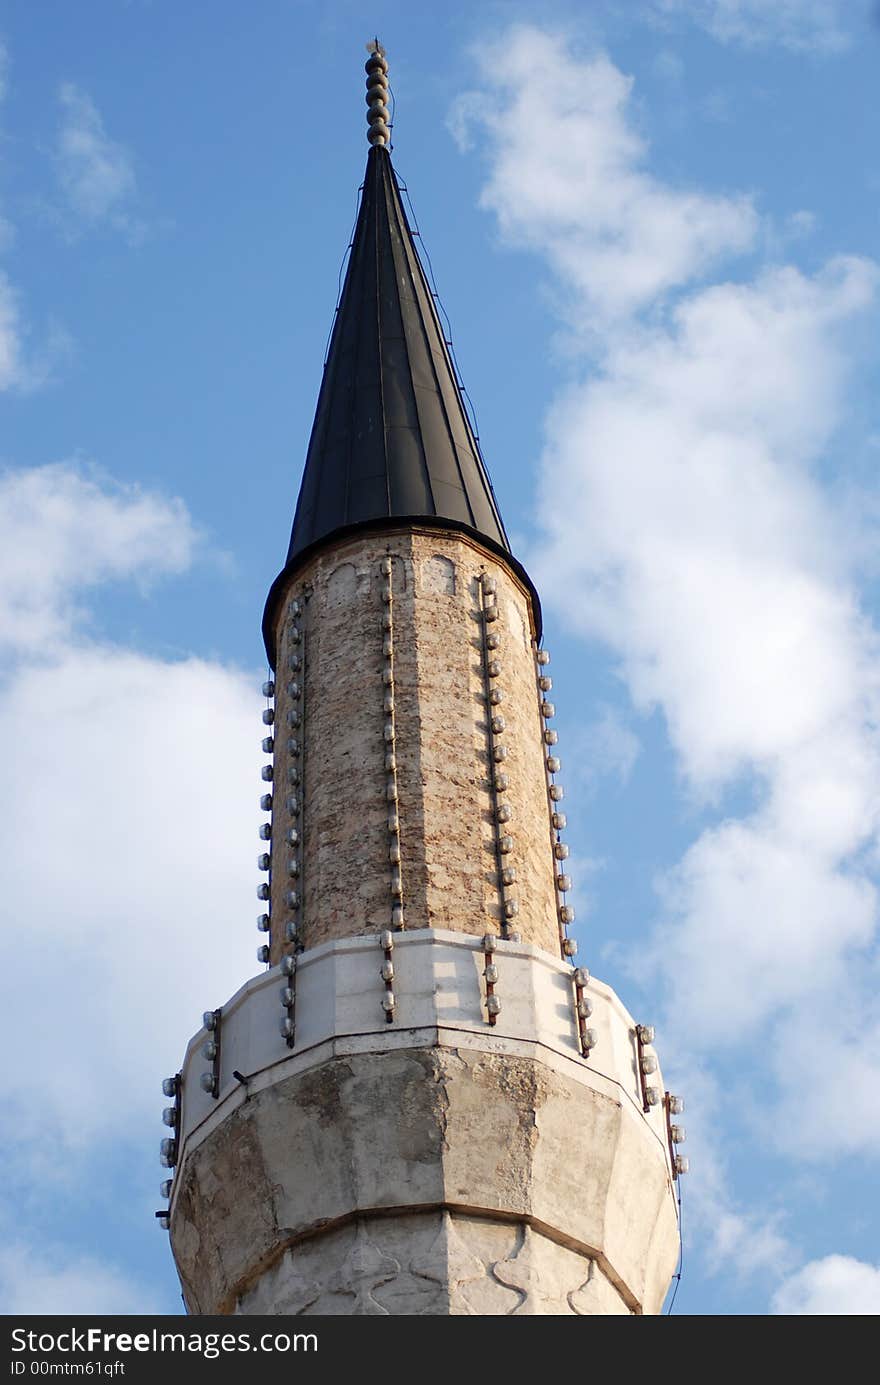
[{"x": 378, "y": 117}]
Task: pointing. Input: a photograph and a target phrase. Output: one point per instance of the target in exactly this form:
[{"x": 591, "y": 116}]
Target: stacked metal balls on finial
[{"x": 378, "y": 115}]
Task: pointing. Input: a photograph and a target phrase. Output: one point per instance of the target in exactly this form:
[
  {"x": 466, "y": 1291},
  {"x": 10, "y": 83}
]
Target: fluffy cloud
[
  {"x": 837, "y": 1284},
  {"x": 23, "y": 366},
  {"x": 21, "y": 369},
  {"x": 841, "y": 1116},
  {"x": 749, "y": 1240},
  {"x": 573, "y": 182},
  {"x": 10, "y": 336},
  {"x": 129, "y": 826},
  {"x": 708, "y": 556},
  {"x": 605, "y": 748},
  {"x": 686, "y": 459},
  {"x": 95, "y": 172},
  {"x": 131, "y": 832},
  {"x": 715, "y": 568},
  {"x": 816, "y": 26},
  {"x": 44, "y": 1283},
  {"x": 710, "y": 563},
  {"x": 63, "y": 530},
  {"x": 11, "y": 369}
]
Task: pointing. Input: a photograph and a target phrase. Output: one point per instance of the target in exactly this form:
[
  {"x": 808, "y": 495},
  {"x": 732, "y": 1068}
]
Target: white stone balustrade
[{"x": 440, "y": 999}]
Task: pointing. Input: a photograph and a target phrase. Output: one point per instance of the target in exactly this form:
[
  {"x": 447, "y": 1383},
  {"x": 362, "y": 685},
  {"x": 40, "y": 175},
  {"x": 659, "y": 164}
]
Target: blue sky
[{"x": 654, "y": 227}]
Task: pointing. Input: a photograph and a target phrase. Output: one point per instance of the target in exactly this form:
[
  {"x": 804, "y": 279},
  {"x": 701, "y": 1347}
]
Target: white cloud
[
  {"x": 605, "y": 747},
  {"x": 130, "y": 886},
  {"x": 95, "y": 172},
  {"x": 718, "y": 574},
  {"x": 570, "y": 180},
  {"x": 669, "y": 67},
  {"x": 748, "y": 1240},
  {"x": 11, "y": 369},
  {"x": 42, "y": 1283},
  {"x": 708, "y": 557},
  {"x": 841, "y": 1115},
  {"x": 817, "y": 26},
  {"x": 21, "y": 369},
  {"x": 10, "y": 336},
  {"x": 835, "y": 1285},
  {"x": 801, "y": 223},
  {"x": 64, "y": 529},
  {"x": 128, "y": 829}
]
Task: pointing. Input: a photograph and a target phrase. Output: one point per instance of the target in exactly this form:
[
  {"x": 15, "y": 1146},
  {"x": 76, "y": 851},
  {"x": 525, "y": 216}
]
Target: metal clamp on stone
[
  {"x": 562, "y": 880},
  {"x": 390, "y": 737},
  {"x": 264, "y": 862},
  {"x": 288, "y": 998},
  {"x": 292, "y": 842},
  {"x": 499, "y": 782},
  {"x": 210, "y": 1081},
  {"x": 552, "y": 766},
  {"x": 265, "y": 832},
  {"x": 675, "y": 1134},
  {"x": 588, "y": 1038},
  {"x": 647, "y": 1064},
  {"x": 386, "y": 942},
  {"x": 171, "y": 1087},
  {"x": 490, "y": 974}
]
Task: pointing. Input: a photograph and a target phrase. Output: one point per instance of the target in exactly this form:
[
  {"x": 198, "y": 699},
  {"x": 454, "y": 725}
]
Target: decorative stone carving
[
  {"x": 438, "y": 575},
  {"x": 341, "y": 583},
  {"x": 553, "y": 1280},
  {"x": 431, "y": 1263},
  {"x": 450, "y": 1264},
  {"x": 361, "y": 1272}
]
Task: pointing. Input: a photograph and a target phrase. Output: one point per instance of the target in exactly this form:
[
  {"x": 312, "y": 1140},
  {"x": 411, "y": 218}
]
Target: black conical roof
[
  {"x": 391, "y": 438},
  {"x": 391, "y": 441}
]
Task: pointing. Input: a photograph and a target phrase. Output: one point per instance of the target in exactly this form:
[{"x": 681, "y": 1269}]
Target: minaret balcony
[{"x": 454, "y": 1107}]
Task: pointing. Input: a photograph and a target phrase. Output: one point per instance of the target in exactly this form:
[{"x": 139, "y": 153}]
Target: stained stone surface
[
  {"x": 448, "y": 861},
  {"x": 391, "y": 1134},
  {"x": 432, "y": 1263}
]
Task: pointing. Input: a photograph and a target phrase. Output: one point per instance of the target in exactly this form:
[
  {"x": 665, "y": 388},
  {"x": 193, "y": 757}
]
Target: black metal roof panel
[{"x": 391, "y": 437}]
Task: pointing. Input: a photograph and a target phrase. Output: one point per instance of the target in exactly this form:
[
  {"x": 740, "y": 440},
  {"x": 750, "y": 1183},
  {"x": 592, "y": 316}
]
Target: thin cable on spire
[{"x": 677, "y": 1276}]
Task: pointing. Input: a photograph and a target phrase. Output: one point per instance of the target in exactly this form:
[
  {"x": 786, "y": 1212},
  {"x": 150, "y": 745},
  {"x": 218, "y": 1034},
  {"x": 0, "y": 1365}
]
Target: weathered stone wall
[
  {"x": 327, "y": 1191},
  {"x": 433, "y": 1263},
  {"x": 448, "y": 864}
]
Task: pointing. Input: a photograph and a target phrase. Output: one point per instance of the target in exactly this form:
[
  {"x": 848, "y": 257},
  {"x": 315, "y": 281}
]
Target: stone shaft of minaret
[
  {"x": 422, "y": 1106},
  {"x": 363, "y": 740}
]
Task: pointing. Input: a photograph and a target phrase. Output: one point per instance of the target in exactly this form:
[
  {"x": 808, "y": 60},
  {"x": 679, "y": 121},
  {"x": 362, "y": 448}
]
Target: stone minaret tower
[{"x": 421, "y": 1105}]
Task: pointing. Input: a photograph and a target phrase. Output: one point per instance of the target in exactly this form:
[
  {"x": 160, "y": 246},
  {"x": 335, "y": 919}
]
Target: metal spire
[{"x": 391, "y": 442}]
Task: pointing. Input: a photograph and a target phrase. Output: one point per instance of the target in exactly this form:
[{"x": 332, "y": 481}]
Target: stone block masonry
[{"x": 330, "y": 682}]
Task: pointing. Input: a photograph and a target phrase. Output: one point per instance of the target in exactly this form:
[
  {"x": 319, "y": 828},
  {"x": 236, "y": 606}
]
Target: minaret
[{"x": 421, "y": 1105}]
